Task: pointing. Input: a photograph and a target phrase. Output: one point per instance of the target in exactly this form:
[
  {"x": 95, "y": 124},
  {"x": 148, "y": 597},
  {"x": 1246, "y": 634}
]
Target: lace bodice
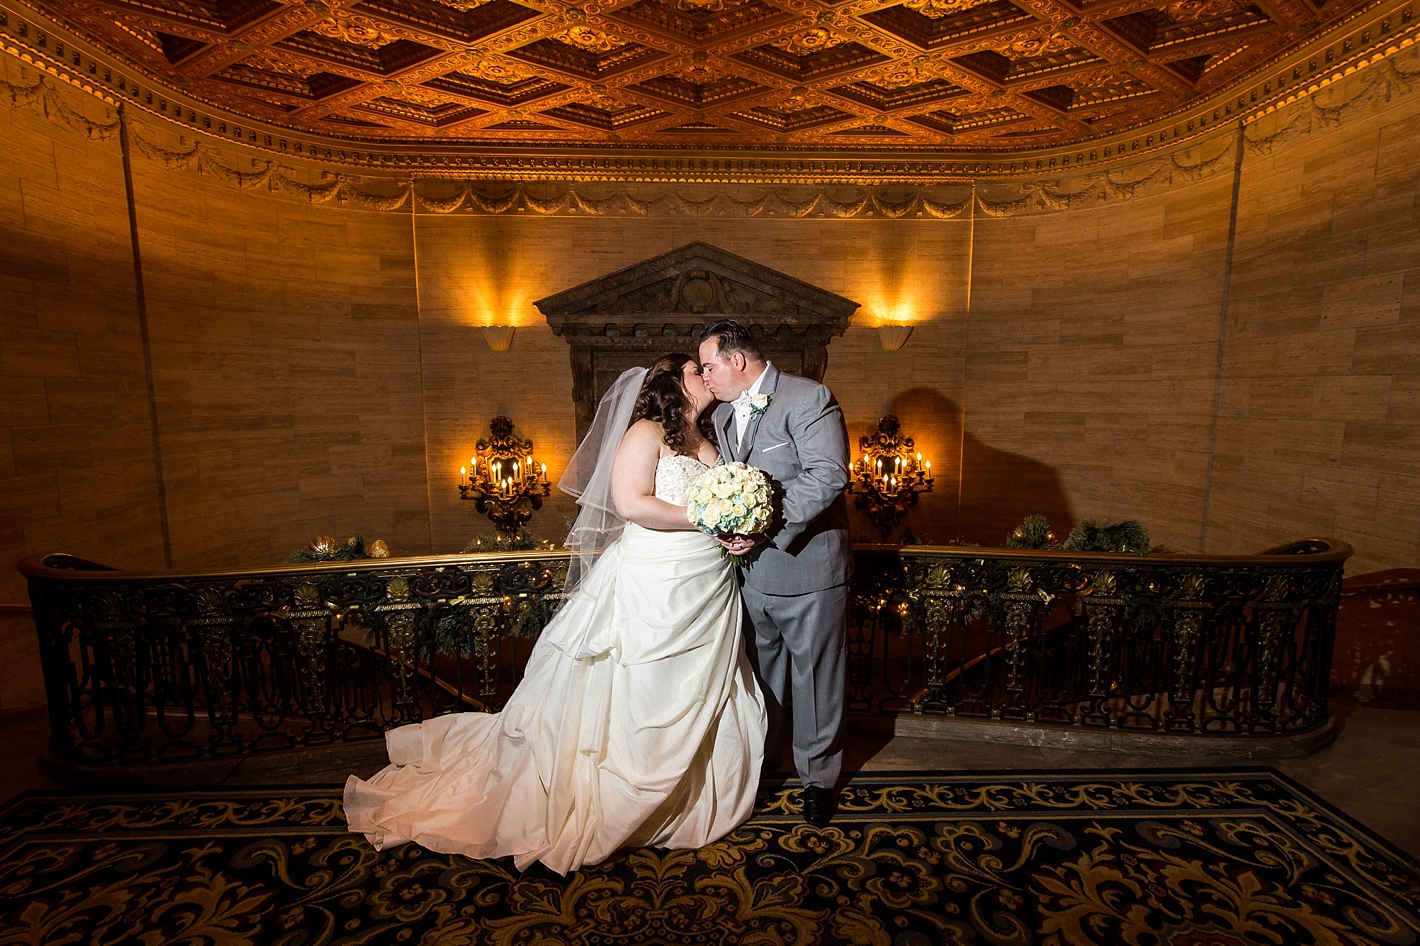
[{"x": 674, "y": 474}]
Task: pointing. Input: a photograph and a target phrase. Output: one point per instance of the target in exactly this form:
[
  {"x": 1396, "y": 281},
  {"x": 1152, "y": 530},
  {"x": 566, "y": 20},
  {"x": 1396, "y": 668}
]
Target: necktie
[{"x": 741, "y": 405}]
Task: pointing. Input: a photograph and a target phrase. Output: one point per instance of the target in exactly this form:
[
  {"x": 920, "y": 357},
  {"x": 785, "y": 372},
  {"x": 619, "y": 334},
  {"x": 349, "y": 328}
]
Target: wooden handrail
[
  {"x": 1305, "y": 552},
  {"x": 59, "y": 565}
]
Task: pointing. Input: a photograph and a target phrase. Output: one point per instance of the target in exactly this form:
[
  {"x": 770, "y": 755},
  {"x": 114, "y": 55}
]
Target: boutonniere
[{"x": 758, "y": 404}]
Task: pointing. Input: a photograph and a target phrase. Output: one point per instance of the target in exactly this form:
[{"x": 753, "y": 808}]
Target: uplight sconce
[
  {"x": 893, "y": 337},
  {"x": 498, "y": 337}
]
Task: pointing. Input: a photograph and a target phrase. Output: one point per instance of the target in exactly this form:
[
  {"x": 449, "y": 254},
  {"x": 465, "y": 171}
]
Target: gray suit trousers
[{"x": 802, "y": 637}]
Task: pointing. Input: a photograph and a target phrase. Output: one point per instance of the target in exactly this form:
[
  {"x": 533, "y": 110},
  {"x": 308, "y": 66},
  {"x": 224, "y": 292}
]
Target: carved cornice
[
  {"x": 1361, "y": 94},
  {"x": 1361, "y": 42}
]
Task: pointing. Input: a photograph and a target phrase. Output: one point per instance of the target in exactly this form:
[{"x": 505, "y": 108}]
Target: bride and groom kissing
[{"x": 654, "y": 699}]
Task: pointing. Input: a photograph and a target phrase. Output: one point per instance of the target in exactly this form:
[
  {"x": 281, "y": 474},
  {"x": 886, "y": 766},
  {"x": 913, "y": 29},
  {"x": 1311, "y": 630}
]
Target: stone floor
[{"x": 1369, "y": 772}]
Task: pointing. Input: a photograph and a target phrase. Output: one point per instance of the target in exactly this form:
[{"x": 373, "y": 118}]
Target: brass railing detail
[{"x": 160, "y": 667}]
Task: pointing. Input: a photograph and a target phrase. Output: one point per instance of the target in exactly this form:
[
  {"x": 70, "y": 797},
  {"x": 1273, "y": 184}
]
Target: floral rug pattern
[{"x": 1149, "y": 858}]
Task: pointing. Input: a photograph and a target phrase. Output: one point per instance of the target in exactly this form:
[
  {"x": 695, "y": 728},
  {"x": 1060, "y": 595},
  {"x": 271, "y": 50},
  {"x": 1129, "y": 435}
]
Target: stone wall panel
[{"x": 319, "y": 368}]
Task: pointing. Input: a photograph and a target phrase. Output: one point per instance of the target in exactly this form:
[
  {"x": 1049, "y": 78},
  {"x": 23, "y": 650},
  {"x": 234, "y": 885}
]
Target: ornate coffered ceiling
[{"x": 818, "y": 77}]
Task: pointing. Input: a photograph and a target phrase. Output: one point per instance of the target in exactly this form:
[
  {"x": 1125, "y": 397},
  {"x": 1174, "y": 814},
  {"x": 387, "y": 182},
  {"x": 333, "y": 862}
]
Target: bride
[{"x": 638, "y": 720}]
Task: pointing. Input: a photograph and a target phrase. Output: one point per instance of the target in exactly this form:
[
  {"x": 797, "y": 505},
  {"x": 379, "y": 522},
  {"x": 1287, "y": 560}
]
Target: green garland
[
  {"x": 1091, "y": 536},
  {"x": 1088, "y": 536},
  {"x": 524, "y": 541},
  {"x": 1033, "y": 533}
]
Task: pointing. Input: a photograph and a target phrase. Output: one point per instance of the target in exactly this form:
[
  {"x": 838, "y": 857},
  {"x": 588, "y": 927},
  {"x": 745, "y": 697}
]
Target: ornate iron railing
[
  {"x": 157, "y": 667},
  {"x": 1172, "y": 643}
]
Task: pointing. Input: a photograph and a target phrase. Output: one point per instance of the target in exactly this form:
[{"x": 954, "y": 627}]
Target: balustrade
[
  {"x": 1171, "y": 643},
  {"x": 161, "y": 667}
]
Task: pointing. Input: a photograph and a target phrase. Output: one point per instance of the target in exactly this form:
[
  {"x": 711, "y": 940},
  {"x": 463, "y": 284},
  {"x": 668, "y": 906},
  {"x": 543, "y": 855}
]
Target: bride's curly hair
[{"x": 662, "y": 399}]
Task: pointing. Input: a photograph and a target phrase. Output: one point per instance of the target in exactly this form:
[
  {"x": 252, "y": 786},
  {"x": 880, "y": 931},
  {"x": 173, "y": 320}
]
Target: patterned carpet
[{"x": 1201, "y": 858}]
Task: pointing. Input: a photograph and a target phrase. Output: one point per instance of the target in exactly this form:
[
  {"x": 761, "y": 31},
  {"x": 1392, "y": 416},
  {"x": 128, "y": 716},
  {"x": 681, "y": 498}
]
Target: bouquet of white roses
[{"x": 731, "y": 499}]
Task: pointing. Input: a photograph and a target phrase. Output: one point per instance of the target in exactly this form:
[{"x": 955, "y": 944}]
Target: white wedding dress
[{"x": 638, "y": 721}]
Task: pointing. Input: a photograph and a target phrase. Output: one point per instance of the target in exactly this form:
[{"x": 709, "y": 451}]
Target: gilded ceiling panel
[{"x": 865, "y": 75}]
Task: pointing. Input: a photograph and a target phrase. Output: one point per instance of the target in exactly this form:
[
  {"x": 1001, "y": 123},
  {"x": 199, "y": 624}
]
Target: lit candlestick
[{"x": 463, "y": 476}]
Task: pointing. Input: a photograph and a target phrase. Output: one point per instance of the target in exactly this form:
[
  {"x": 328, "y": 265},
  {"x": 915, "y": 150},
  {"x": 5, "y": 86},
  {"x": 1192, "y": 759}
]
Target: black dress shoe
[{"x": 819, "y": 805}]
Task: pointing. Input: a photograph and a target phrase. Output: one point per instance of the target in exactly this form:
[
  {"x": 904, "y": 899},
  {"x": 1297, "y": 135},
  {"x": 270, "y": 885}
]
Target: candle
[{"x": 463, "y": 476}]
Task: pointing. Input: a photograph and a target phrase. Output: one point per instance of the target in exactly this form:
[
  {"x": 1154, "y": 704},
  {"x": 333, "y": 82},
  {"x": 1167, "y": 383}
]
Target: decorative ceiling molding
[
  {"x": 940, "y": 203},
  {"x": 429, "y": 71},
  {"x": 1356, "y": 96}
]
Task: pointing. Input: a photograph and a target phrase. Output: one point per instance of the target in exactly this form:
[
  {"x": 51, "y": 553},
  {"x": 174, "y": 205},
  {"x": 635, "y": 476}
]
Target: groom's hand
[{"x": 740, "y": 544}]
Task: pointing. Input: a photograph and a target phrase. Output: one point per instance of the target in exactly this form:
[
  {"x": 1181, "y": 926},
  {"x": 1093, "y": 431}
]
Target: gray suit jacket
[{"x": 801, "y": 442}]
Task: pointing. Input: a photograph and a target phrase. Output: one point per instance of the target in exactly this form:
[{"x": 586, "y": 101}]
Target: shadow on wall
[{"x": 997, "y": 489}]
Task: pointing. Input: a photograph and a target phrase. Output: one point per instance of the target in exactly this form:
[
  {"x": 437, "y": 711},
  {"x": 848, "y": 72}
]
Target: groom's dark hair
[{"x": 731, "y": 336}]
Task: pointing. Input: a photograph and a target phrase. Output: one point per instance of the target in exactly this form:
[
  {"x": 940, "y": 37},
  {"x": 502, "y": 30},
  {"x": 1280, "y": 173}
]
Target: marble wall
[
  {"x": 1091, "y": 364},
  {"x": 286, "y": 369},
  {"x": 318, "y": 368},
  {"x": 1319, "y": 415},
  {"x": 77, "y": 468}
]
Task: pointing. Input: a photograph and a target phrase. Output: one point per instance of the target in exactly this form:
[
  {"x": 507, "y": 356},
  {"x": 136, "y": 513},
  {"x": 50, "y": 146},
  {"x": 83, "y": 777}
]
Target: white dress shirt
[{"x": 742, "y": 406}]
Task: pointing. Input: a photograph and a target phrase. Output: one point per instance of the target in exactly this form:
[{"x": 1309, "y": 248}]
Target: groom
[{"x": 796, "y": 588}]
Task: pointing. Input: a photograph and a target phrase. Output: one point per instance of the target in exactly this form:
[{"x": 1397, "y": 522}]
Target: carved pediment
[
  {"x": 659, "y": 305},
  {"x": 694, "y": 282}
]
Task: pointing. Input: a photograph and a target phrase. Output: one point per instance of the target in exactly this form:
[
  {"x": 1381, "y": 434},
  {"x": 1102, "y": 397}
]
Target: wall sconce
[
  {"x": 498, "y": 337},
  {"x": 503, "y": 479},
  {"x": 888, "y": 476},
  {"x": 893, "y": 337}
]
